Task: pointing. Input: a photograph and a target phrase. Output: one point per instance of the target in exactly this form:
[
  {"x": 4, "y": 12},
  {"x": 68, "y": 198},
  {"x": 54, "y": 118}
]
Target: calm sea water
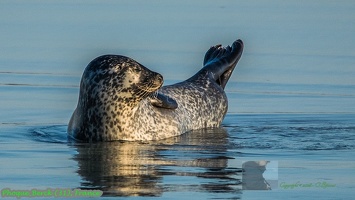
[{"x": 291, "y": 97}]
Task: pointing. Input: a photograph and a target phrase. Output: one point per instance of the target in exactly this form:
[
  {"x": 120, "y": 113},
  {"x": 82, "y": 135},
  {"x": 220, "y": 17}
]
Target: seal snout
[
  {"x": 159, "y": 80},
  {"x": 154, "y": 80}
]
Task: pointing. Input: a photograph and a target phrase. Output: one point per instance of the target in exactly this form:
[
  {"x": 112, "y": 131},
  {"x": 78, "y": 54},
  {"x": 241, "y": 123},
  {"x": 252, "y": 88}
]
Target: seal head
[{"x": 110, "y": 85}]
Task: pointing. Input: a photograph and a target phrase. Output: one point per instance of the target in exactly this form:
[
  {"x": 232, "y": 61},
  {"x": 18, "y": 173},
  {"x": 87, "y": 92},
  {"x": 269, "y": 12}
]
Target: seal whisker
[{"x": 143, "y": 91}]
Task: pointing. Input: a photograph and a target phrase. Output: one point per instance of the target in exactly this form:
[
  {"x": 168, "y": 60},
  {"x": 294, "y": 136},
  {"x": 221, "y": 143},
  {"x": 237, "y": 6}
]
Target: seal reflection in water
[
  {"x": 196, "y": 162},
  {"x": 121, "y": 99}
]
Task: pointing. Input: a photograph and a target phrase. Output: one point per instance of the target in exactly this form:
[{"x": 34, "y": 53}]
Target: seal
[{"x": 120, "y": 99}]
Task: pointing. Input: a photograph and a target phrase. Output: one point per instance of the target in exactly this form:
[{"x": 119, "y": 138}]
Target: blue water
[
  {"x": 291, "y": 97},
  {"x": 308, "y": 148}
]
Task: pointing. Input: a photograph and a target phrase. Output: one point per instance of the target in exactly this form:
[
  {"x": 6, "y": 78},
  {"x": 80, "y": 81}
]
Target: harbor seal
[{"x": 120, "y": 99}]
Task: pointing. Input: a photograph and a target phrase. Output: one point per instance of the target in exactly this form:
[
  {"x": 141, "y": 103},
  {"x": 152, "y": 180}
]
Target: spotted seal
[{"x": 120, "y": 99}]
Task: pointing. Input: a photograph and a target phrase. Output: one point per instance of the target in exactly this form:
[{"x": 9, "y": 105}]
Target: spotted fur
[{"x": 115, "y": 91}]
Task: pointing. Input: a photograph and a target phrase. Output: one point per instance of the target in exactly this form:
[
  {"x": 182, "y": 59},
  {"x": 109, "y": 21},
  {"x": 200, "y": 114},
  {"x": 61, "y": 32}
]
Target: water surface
[{"x": 291, "y": 97}]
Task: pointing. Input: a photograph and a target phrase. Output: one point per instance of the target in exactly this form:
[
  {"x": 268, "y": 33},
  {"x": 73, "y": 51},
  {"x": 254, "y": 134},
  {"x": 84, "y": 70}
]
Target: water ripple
[
  {"x": 294, "y": 133},
  {"x": 50, "y": 134}
]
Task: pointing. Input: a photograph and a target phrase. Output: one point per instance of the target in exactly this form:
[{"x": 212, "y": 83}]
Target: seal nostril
[{"x": 159, "y": 78}]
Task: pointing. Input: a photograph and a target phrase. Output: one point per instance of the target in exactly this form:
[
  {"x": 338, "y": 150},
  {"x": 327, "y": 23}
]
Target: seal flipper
[
  {"x": 229, "y": 54},
  {"x": 162, "y": 101},
  {"x": 220, "y": 62}
]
